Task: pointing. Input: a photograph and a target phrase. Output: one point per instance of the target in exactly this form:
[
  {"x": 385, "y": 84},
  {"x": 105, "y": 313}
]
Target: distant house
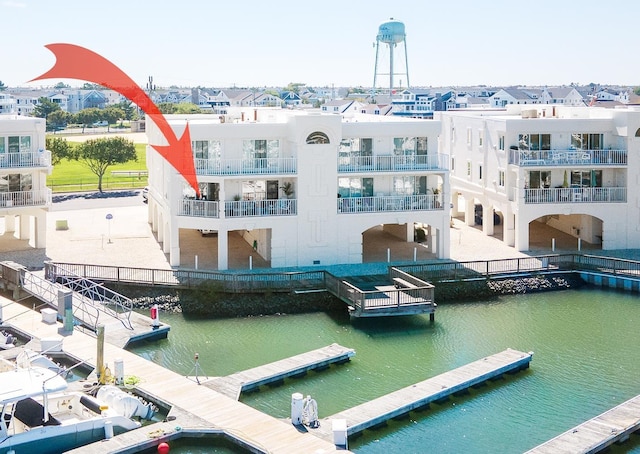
[
  {"x": 342, "y": 106},
  {"x": 290, "y": 98},
  {"x": 567, "y": 96},
  {"x": 267, "y": 100},
  {"x": 414, "y": 103},
  {"x": 7, "y": 104},
  {"x": 507, "y": 96},
  {"x": 376, "y": 109}
]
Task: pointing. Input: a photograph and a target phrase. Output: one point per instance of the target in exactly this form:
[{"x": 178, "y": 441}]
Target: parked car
[
  {"x": 101, "y": 123},
  {"x": 207, "y": 232},
  {"x": 145, "y": 194}
]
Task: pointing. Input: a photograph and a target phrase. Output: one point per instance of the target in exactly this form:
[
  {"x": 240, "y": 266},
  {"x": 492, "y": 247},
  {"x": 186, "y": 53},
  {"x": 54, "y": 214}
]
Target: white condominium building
[
  {"x": 300, "y": 187},
  {"x": 24, "y": 166},
  {"x": 575, "y": 169}
]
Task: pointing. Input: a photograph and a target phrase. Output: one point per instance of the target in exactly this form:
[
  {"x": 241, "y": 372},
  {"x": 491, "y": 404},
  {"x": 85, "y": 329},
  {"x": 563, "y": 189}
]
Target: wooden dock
[
  {"x": 232, "y": 385},
  {"x": 214, "y": 410},
  {"x": 596, "y": 434},
  {"x": 398, "y": 403}
]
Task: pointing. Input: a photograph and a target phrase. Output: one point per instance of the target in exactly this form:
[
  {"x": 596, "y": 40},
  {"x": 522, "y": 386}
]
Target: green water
[{"x": 586, "y": 360}]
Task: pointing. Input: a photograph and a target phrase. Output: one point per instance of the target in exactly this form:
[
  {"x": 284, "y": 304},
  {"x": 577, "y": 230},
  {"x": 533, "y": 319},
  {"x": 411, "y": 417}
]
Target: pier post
[
  {"x": 553, "y": 244},
  {"x": 100, "y": 354}
]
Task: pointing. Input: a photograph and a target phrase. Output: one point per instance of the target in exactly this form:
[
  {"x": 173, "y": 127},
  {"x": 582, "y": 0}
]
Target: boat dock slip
[
  {"x": 232, "y": 385},
  {"x": 400, "y": 402},
  {"x": 207, "y": 408},
  {"x": 595, "y": 435}
]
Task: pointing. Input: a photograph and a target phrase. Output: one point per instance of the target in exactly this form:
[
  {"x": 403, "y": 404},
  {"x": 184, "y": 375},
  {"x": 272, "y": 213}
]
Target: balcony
[
  {"x": 563, "y": 158},
  {"x": 575, "y": 195},
  {"x": 385, "y": 204},
  {"x": 257, "y": 166},
  {"x": 199, "y": 208},
  {"x": 31, "y": 159},
  {"x": 261, "y": 208},
  {"x": 25, "y": 198},
  {"x": 392, "y": 163}
]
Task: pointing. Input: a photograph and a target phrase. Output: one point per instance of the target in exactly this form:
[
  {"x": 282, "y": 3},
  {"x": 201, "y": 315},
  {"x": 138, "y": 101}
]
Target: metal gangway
[{"x": 92, "y": 304}]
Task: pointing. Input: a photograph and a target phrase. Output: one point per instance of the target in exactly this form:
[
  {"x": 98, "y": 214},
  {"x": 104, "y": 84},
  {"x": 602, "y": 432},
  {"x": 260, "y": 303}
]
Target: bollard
[
  {"x": 553, "y": 244},
  {"x": 118, "y": 371},
  {"x": 196, "y": 262},
  {"x": 388, "y": 255},
  {"x": 250, "y": 262},
  {"x": 108, "y": 430},
  {"x": 297, "y": 403},
  {"x": 339, "y": 428},
  {"x": 415, "y": 254},
  {"x": 155, "y": 316},
  {"x": 579, "y": 244}
]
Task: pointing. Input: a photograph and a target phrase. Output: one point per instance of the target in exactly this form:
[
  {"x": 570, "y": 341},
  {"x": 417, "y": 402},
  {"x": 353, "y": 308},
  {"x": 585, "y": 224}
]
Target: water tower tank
[{"x": 391, "y": 32}]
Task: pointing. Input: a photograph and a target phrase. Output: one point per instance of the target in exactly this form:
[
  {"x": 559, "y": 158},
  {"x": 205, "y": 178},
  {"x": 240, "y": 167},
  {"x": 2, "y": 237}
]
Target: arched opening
[
  {"x": 317, "y": 138},
  {"x": 399, "y": 242},
  {"x": 562, "y": 232},
  {"x": 638, "y": 132}
]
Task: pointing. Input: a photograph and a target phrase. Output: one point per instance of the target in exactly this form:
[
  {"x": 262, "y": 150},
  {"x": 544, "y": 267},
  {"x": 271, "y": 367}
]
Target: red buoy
[{"x": 163, "y": 448}]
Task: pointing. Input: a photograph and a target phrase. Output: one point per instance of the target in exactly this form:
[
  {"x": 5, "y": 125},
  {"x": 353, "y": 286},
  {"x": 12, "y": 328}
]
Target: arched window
[
  {"x": 638, "y": 132},
  {"x": 316, "y": 138}
]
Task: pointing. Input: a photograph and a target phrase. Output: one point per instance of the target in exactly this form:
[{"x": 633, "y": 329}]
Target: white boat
[{"x": 38, "y": 414}]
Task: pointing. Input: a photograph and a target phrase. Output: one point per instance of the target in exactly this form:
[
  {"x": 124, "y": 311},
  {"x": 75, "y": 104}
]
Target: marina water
[{"x": 586, "y": 361}]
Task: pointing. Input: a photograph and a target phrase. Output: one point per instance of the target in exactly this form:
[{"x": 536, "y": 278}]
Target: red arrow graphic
[{"x": 75, "y": 62}]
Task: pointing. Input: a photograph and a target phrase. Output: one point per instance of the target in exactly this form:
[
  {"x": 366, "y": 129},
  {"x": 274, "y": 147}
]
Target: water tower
[{"x": 390, "y": 35}]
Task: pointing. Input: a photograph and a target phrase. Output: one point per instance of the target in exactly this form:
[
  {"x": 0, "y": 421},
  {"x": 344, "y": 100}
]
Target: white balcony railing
[
  {"x": 389, "y": 203},
  {"x": 575, "y": 195},
  {"x": 25, "y": 198},
  {"x": 269, "y": 207},
  {"x": 31, "y": 159},
  {"x": 393, "y": 163},
  {"x": 562, "y": 158},
  {"x": 199, "y": 208},
  {"x": 258, "y": 166}
]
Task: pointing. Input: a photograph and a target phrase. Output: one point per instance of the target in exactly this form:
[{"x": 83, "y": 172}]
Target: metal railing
[
  {"x": 393, "y": 163},
  {"x": 575, "y": 195},
  {"x": 256, "y": 166},
  {"x": 549, "y": 158},
  {"x": 229, "y": 282},
  {"x": 29, "y": 159},
  {"x": 199, "y": 208},
  {"x": 268, "y": 207},
  {"x": 25, "y": 198},
  {"x": 389, "y": 203}
]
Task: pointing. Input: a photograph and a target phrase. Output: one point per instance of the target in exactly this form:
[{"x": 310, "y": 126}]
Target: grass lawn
[{"x": 69, "y": 175}]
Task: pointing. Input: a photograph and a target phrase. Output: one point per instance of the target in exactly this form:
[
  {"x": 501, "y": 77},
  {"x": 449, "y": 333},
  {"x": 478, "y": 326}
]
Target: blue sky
[{"x": 271, "y": 43}]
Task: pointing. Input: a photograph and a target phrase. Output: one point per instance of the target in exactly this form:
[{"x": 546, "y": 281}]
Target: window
[
  {"x": 480, "y": 138},
  {"x": 206, "y": 149},
  {"x": 534, "y": 142},
  {"x": 2, "y": 149},
  {"x": 587, "y": 141},
  {"x": 410, "y": 145},
  {"x": 501, "y": 143},
  {"x": 260, "y": 148},
  {"x": 539, "y": 179},
  {"x": 409, "y": 185},
  {"x": 356, "y": 147},
  {"x": 480, "y": 172},
  {"x": 469, "y": 136},
  {"x": 501, "y": 178},
  {"x": 317, "y": 137},
  {"x": 586, "y": 178},
  {"x": 355, "y": 187},
  {"x": 453, "y": 163},
  {"x": 469, "y": 169}
]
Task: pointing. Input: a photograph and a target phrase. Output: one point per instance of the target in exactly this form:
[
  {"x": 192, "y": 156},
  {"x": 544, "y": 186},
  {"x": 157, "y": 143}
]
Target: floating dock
[
  {"x": 596, "y": 434},
  {"x": 295, "y": 366},
  {"x": 203, "y": 408},
  {"x": 398, "y": 403}
]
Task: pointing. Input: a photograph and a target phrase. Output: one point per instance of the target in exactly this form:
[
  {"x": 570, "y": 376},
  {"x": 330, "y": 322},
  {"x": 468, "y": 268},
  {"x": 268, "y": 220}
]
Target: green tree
[
  {"x": 60, "y": 149},
  {"x": 127, "y": 108},
  {"x": 58, "y": 119},
  {"x": 637, "y": 91},
  {"x": 61, "y": 85},
  {"x": 111, "y": 115},
  {"x": 167, "y": 107},
  {"x": 88, "y": 116},
  {"x": 45, "y": 107},
  {"x": 295, "y": 87},
  {"x": 186, "y": 108},
  {"x": 3, "y": 87},
  {"x": 99, "y": 154}
]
